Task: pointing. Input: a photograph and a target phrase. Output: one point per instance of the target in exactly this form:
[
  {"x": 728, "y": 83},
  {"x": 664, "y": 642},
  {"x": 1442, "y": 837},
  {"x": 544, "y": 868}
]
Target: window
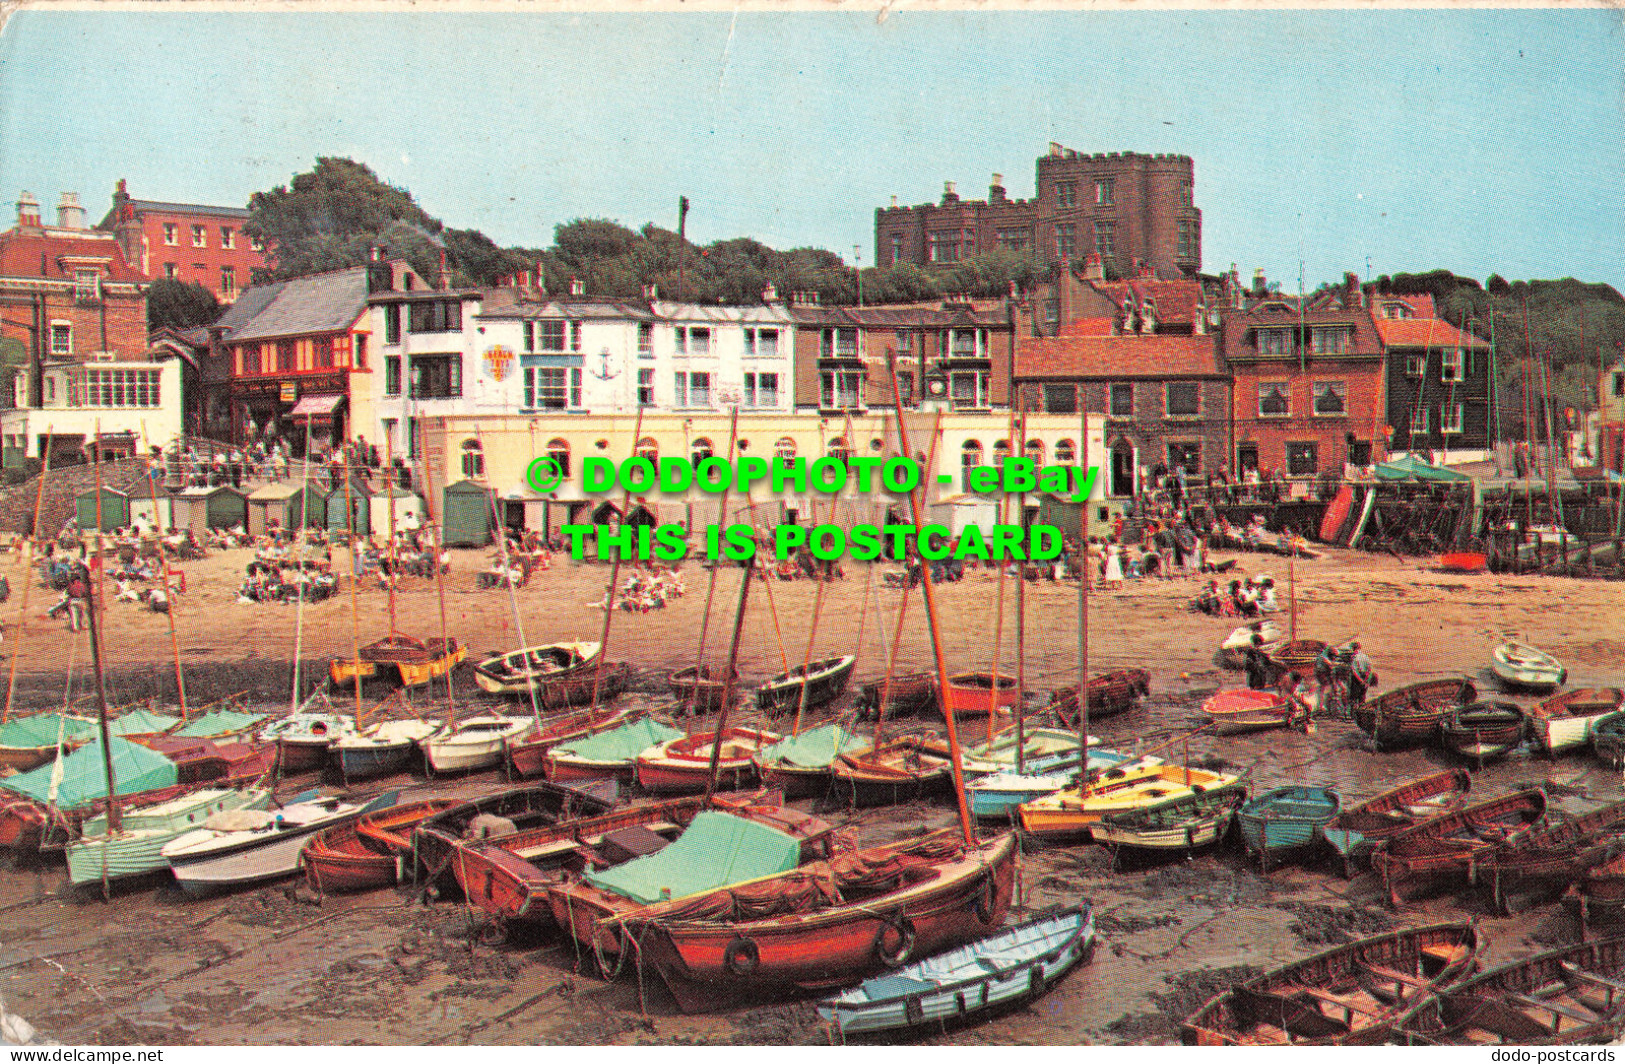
[
  {"x": 1181, "y": 399},
  {"x": 1001, "y": 451},
  {"x": 1066, "y": 241},
  {"x": 322, "y": 350},
  {"x": 762, "y": 342},
  {"x": 761, "y": 389},
  {"x": 200, "y": 236},
  {"x": 1415, "y": 365},
  {"x": 435, "y": 316},
  {"x": 170, "y": 271},
  {"x": 784, "y": 448},
  {"x": 1619, "y": 386},
  {"x": 1185, "y": 198},
  {"x": 50, "y": 388},
  {"x": 1122, "y": 400},
  {"x": 550, "y": 335},
  {"x": 286, "y": 356},
  {"x": 171, "y": 234},
  {"x": 693, "y": 341},
  {"x": 693, "y": 389},
  {"x": 1396, "y": 311},
  {"x": 552, "y": 388},
  {"x": 1186, "y": 456},
  {"x": 1015, "y": 239},
  {"x": 1065, "y": 454},
  {"x": 1330, "y": 398},
  {"x": 700, "y": 450},
  {"x": 1066, "y": 193},
  {"x": 228, "y": 280},
  {"x": 359, "y": 361},
  {"x": 61, "y": 339},
  {"x": 970, "y": 456},
  {"x": 838, "y": 449},
  {"x": 392, "y": 374},
  {"x": 473, "y": 459},
  {"x": 839, "y": 343},
  {"x": 1450, "y": 416},
  {"x": 1274, "y": 399},
  {"x": 437, "y": 376},
  {"x": 87, "y": 285},
  {"x": 1302, "y": 459},
  {"x": 944, "y": 246},
  {"x": 1454, "y": 370},
  {"x": 1420, "y": 422},
  {"x": 646, "y": 387},
  {"x": 647, "y": 448},
  {"x": 228, "y": 239},
  {"x": 1105, "y": 189},
  {"x": 559, "y": 451},
  {"x": 1106, "y": 239},
  {"x": 1329, "y": 341},
  {"x": 905, "y": 388},
  {"x": 575, "y": 336},
  {"x": 646, "y": 339},
  {"x": 392, "y": 323},
  {"x": 969, "y": 343},
  {"x": 1276, "y": 342},
  {"x": 528, "y": 336},
  {"x": 1035, "y": 452},
  {"x": 967, "y": 390},
  {"x": 251, "y": 359},
  {"x": 839, "y": 389},
  {"x": 896, "y": 240},
  {"x": 1060, "y": 399},
  {"x": 120, "y": 388},
  {"x": 1187, "y": 240}
]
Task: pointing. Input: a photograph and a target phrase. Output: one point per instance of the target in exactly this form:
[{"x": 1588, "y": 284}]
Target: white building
[{"x": 133, "y": 404}]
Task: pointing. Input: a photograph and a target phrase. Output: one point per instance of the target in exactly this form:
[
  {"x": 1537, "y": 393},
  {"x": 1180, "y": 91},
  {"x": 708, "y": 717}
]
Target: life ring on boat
[
  {"x": 902, "y": 928},
  {"x": 741, "y": 956},
  {"x": 986, "y": 900}
]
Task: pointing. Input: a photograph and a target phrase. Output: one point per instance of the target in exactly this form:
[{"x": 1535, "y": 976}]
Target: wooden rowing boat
[
  {"x": 1521, "y": 665},
  {"x": 1285, "y": 821},
  {"x": 1600, "y": 892},
  {"x": 526, "y": 754},
  {"x": 824, "y": 681},
  {"x": 1355, "y": 994},
  {"x": 1248, "y": 710},
  {"x": 1182, "y": 824},
  {"x": 1042, "y": 750},
  {"x": 373, "y": 852},
  {"x": 1547, "y": 858},
  {"x": 1608, "y": 738},
  {"x": 1563, "y": 722},
  {"x": 1573, "y": 995},
  {"x": 965, "y": 984},
  {"x": 474, "y": 743},
  {"x": 1480, "y": 731},
  {"x": 904, "y": 769},
  {"x": 577, "y": 687},
  {"x": 914, "y": 692},
  {"x": 1070, "y": 811},
  {"x": 699, "y": 687},
  {"x": 1109, "y": 693},
  {"x": 683, "y": 765},
  {"x": 827, "y": 924},
  {"x": 799, "y": 765},
  {"x": 1464, "y": 561},
  {"x": 976, "y": 694},
  {"x": 517, "y": 671},
  {"x": 434, "y": 841},
  {"x": 1444, "y": 848},
  {"x": 1410, "y": 715},
  {"x": 1353, "y": 833},
  {"x": 1296, "y": 655}
]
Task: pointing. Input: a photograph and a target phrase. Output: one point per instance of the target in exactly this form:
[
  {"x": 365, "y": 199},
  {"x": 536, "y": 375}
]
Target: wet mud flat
[{"x": 272, "y": 966}]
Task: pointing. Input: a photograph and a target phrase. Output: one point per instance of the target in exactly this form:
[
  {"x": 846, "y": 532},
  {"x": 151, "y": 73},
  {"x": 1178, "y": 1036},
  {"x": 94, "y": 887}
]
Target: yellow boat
[{"x": 1069, "y": 812}]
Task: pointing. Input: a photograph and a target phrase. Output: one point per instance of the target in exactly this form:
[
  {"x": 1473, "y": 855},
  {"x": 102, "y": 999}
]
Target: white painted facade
[{"x": 135, "y": 398}]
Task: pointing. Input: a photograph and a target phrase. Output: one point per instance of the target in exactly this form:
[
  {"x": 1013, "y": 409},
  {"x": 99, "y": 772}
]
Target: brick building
[
  {"x": 1307, "y": 379},
  {"x": 185, "y": 242},
  {"x": 1438, "y": 378},
  {"x": 1142, "y": 353},
  {"x": 1125, "y": 207}
]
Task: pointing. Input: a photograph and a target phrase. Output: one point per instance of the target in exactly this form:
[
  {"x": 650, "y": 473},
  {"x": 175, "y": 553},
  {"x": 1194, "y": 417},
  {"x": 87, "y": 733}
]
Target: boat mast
[
  {"x": 355, "y": 578},
  {"x": 513, "y": 599},
  {"x": 115, "y": 816},
  {"x": 614, "y": 577},
  {"x": 439, "y": 577},
  {"x": 931, "y": 613},
  {"x": 728, "y": 679},
  {"x": 1021, "y": 635},
  {"x": 391, "y": 485},
  {"x": 163, "y": 574},
  {"x": 28, "y": 567},
  {"x": 299, "y": 577},
  {"x": 998, "y": 617},
  {"x": 897, "y": 632},
  {"x": 1086, "y": 574},
  {"x": 818, "y": 603},
  {"x": 711, "y": 583}
]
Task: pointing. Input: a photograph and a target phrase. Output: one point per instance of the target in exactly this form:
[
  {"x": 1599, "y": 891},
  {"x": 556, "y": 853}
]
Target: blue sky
[{"x": 1478, "y": 141}]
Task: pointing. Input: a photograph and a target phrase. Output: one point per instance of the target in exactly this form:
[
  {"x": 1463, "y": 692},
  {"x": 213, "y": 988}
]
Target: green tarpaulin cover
[
  {"x": 623, "y": 743},
  {"x": 41, "y": 728},
  {"x": 219, "y": 722},
  {"x": 813, "y": 748},
  {"x": 142, "y": 722},
  {"x": 84, "y": 779},
  {"x": 717, "y": 849},
  {"x": 1410, "y": 467}
]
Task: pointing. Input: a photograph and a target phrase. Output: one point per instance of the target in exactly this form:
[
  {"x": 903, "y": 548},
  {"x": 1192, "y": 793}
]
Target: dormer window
[
  {"x": 1396, "y": 311},
  {"x": 87, "y": 286}
]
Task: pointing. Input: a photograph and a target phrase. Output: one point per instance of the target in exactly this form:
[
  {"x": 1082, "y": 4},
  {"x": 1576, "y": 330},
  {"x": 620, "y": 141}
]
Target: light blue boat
[
  {"x": 1285, "y": 820},
  {"x": 997, "y": 796}
]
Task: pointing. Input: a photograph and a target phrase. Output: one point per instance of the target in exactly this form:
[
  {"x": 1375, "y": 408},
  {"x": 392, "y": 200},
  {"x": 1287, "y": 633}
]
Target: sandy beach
[{"x": 261, "y": 966}]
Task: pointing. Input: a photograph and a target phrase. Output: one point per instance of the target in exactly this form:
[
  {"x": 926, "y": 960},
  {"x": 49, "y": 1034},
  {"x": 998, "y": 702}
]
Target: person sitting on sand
[{"x": 1267, "y": 602}]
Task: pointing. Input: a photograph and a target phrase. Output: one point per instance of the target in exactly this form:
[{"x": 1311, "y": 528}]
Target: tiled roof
[
  {"x": 159, "y": 207},
  {"x": 1240, "y": 326},
  {"x": 1175, "y": 301},
  {"x": 912, "y": 316},
  {"x": 1426, "y": 332},
  {"x": 508, "y": 303},
  {"x": 323, "y": 303},
  {"x": 1116, "y": 356},
  {"x": 23, "y": 254},
  {"x": 247, "y": 305}
]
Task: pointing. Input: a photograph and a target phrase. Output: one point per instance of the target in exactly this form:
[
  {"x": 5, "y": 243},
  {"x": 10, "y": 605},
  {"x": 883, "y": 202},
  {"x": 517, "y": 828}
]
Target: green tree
[{"x": 180, "y": 305}]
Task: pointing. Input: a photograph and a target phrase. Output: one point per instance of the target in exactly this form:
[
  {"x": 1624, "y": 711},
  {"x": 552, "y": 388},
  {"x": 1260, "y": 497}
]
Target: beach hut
[
  {"x": 149, "y": 515},
  {"x": 410, "y": 512},
  {"x": 200, "y": 509},
  {"x": 958, "y": 512},
  {"x": 285, "y": 504},
  {"x": 359, "y": 514},
  {"x": 467, "y": 514},
  {"x": 115, "y": 509}
]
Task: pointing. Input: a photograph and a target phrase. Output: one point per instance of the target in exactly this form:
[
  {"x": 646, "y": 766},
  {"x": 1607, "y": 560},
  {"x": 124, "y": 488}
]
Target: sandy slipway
[{"x": 261, "y": 966}]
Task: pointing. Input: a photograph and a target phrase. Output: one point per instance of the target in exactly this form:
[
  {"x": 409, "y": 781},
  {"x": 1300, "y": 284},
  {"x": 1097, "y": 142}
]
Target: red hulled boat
[{"x": 368, "y": 853}]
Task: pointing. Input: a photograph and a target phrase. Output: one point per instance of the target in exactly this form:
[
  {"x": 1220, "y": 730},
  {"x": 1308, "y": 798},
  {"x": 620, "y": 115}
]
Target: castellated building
[{"x": 1132, "y": 210}]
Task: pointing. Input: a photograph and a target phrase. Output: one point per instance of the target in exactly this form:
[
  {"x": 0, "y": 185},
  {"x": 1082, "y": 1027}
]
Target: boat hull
[
  {"x": 825, "y": 681},
  {"x": 137, "y": 853},
  {"x": 377, "y": 760}
]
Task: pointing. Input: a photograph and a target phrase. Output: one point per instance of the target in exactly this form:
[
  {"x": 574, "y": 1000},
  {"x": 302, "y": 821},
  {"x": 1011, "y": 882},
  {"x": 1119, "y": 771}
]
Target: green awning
[
  {"x": 41, "y": 730},
  {"x": 136, "y": 769},
  {"x": 814, "y": 748},
  {"x": 219, "y": 722},
  {"x": 142, "y": 722},
  {"x": 623, "y": 743},
  {"x": 1410, "y": 467},
  {"x": 717, "y": 850}
]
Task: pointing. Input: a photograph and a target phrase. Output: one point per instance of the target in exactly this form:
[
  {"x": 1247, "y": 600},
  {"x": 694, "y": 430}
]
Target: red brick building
[
  {"x": 1125, "y": 207},
  {"x": 1307, "y": 379},
  {"x": 185, "y": 242}
]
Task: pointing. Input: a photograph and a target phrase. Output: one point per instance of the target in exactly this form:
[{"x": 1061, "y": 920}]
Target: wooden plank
[
  {"x": 1593, "y": 978},
  {"x": 1554, "y": 1008},
  {"x": 1390, "y": 973}
]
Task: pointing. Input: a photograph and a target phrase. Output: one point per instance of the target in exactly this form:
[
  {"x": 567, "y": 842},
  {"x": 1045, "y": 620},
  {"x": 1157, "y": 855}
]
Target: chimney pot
[
  {"x": 894, "y": 201},
  {"x": 27, "y": 209}
]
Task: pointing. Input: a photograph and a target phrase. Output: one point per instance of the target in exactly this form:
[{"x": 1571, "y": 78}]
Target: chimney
[
  {"x": 69, "y": 215},
  {"x": 894, "y": 201},
  {"x": 1093, "y": 268},
  {"x": 1146, "y": 273},
  {"x": 770, "y": 294},
  {"x": 376, "y": 254},
  {"x": 578, "y": 287},
  {"x": 1260, "y": 288},
  {"x": 949, "y": 196},
  {"x": 1352, "y": 296},
  {"x": 443, "y": 281},
  {"x": 995, "y": 191},
  {"x": 27, "y": 210},
  {"x": 1055, "y": 148}
]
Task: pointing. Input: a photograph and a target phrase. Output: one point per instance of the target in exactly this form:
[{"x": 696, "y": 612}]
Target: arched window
[
  {"x": 970, "y": 456},
  {"x": 1064, "y": 452},
  {"x": 1001, "y": 451},
  {"x": 1035, "y": 451},
  {"x": 839, "y": 449},
  {"x": 700, "y": 450},
  {"x": 473, "y": 459},
  {"x": 648, "y": 448},
  {"x": 785, "y": 448},
  {"x": 559, "y": 451}
]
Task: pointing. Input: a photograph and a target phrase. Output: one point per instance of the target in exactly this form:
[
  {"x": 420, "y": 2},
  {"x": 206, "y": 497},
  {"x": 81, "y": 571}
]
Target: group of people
[
  {"x": 1250, "y": 597},
  {"x": 649, "y": 587},
  {"x": 285, "y": 582},
  {"x": 1342, "y": 677}
]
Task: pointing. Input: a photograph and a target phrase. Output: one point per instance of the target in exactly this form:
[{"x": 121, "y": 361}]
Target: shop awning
[{"x": 317, "y": 406}]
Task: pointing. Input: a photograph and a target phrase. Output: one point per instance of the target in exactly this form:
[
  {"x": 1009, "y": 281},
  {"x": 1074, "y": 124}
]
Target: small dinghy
[
  {"x": 911, "y": 693},
  {"x": 1233, "y": 651},
  {"x": 1109, "y": 693},
  {"x": 1146, "y": 782},
  {"x": 1285, "y": 821},
  {"x": 137, "y": 847},
  {"x": 1564, "y": 722},
  {"x": 683, "y": 765},
  {"x": 303, "y": 739},
  {"x": 1353, "y": 833},
  {"x": 1248, "y": 710},
  {"x": 1464, "y": 561},
  {"x": 699, "y": 688},
  {"x": 1000, "y": 794},
  {"x": 898, "y": 770},
  {"x": 1521, "y": 665},
  {"x": 383, "y": 748},
  {"x": 799, "y": 765},
  {"x": 473, "y": 743},
  {"x": 516, "y": 672},
  {"x": 373, "y": 852},
  {"x": 824, "y": 681},
  {"x": 976, "y": 694},
  {"x": 526, "y": 755},
  {"x": 1482, "y": 730},
  {"x": 1182, "y": 824},
  {"x": 1410, "y": 715},
  {"x": 962, "y": 985},
  {"x": 29, "y": 742},
  {"x": 1043, "y": 750},
  {"x": 1443, "y": 849},
  {"x": 608, "y": 755},
  {"x": 1296, "y": 655},
  {"x": 1608, "y": 738}
]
